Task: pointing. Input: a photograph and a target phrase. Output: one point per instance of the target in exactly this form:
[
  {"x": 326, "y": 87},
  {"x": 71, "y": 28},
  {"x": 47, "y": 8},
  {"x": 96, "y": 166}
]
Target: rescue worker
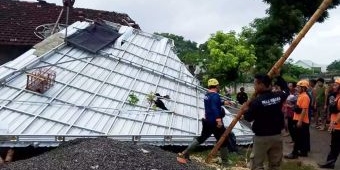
[
  {"x": 265, "y": 111},
  {"x": 301, "y": 122},
  {"x": 212, "y": 123},
  {"x": 334, "y": 109}
]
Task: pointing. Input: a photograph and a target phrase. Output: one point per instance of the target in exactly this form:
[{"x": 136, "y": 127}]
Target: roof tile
[{"x": 20, "y": 19}]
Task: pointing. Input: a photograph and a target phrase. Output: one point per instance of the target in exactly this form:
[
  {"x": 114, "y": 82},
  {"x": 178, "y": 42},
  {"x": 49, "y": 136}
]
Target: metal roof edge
[{"x": 160, "y": 140}]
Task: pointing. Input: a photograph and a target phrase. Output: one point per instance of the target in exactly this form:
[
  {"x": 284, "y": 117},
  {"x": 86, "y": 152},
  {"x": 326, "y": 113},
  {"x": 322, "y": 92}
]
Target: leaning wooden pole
[{"x": 324, "y": 5}]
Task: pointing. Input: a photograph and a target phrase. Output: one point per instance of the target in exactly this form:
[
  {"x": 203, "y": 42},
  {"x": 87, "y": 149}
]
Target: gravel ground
[{"x": 102, "y": 153}]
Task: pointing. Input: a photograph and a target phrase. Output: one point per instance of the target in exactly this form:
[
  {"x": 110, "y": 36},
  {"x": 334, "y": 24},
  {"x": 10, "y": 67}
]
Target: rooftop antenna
[
  {"x": 56, "y": 23},
  {"x": 45, "y": 30},
  {"x": 67, "y": 4}
]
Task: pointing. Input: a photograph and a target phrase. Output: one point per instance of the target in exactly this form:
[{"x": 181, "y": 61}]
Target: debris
[
  {"x": 133, "y": 99},
  {"x": 41, "y": 80},
  {"x": 102, "y": 153},
  {"x": 95, "y": 167},
  {"x": 144, "y": 151},
  {"x": 159, "y": 103}
]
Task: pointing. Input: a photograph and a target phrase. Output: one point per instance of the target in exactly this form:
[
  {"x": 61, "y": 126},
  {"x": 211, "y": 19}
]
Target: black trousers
[
  {"x": 335, "y": 146},
  {"x": 209, "y": 128},
  {"x": 290, "y": 125},
  {"x": 301, "y": 138}
]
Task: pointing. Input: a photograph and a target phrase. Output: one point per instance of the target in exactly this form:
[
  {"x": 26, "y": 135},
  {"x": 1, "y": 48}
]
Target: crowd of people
[
  {"x": 293, "y": 107},
  {"x": 304, "y": 104},
  {"x": 311, "y": 104}
]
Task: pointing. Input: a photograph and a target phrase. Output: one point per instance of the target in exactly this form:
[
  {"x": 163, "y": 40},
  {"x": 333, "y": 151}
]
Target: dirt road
[{"x": 320, "y": 141}]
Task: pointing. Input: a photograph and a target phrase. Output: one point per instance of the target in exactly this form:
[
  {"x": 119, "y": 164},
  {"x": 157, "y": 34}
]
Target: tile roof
[
  {"x": 90, "y": 96},
  {"x": 18, "y": 19}
]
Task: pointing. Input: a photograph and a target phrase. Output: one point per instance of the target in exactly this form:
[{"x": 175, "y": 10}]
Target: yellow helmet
[
  {"x": 212, "y": 82},
  {"x": 303, "y": 83},
  {"x": 337, "y": 81}
]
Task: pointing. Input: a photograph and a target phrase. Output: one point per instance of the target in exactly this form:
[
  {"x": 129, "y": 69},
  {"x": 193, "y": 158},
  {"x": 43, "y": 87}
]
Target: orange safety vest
[
  {"x": 303, "y": 102},
  {"x": 335, "y": 115}
]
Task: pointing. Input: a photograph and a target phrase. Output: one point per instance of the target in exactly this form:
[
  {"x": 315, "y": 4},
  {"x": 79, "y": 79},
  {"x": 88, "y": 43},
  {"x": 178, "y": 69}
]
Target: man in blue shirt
[{"x": 212, "y": 123}]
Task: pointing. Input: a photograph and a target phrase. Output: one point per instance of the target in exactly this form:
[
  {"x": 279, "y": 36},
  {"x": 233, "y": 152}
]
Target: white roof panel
[{"x": 91, "y": 92}]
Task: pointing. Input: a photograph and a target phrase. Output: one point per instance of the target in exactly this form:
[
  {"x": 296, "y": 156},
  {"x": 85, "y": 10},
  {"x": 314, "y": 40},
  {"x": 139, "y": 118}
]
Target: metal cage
[{"x": 40, "y": 80}]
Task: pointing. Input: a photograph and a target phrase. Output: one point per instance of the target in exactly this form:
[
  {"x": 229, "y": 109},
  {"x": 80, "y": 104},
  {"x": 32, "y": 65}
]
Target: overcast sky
[{"x": 196, "y": 20}]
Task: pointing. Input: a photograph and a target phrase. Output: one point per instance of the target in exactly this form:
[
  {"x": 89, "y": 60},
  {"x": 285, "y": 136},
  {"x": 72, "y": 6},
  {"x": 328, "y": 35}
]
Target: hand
[
  {"x": 276, "y": 72},
  {"x": 299, "y": 124},
  {"x": 226, "y": 102},
  {"x": 219, "y": 124}
]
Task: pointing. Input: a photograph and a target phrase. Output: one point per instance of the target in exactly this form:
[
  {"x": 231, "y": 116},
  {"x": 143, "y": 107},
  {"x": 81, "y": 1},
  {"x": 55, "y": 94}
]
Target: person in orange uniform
[
  {"x": 334, "y": 109},
  {"x": 301, "y": 122}
]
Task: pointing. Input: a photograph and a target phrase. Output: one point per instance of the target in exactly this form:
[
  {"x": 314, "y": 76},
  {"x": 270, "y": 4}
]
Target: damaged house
[
  {"x": 24, "y": 24},
  {"x": 103, "y": 79}
]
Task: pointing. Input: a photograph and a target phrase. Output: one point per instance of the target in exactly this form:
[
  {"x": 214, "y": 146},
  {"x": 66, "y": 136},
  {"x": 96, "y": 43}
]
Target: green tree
[
  {"x": 292, "y": 72},
  {"x": 230, "y": 57},
  {"x": 334, "y": 66},
  {"x": 187, "y": 51},
  {"x": 285, "y": 19}
]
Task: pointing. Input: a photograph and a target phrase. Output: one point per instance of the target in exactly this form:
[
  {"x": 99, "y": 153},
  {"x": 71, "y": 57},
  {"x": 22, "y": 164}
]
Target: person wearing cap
[
  {"x": 334, "y": 109},
  {"x": 301, "y": 122},
  {"x": 265, "y": 113},
  {"x": 212, "y": 123}
]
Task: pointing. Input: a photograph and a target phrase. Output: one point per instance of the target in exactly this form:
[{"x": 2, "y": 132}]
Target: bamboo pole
[{"x": 324, "y": 5}]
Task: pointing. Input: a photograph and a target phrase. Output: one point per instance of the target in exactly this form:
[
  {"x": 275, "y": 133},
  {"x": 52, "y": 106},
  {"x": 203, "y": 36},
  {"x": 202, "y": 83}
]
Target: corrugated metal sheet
[{"x": 90, "y": 95}]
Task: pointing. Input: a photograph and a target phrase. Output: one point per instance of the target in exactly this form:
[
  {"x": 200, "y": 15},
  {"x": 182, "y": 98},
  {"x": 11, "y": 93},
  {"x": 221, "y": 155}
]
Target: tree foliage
[
  {"x": 190, "y": 53},
  {"x": 285, "y": 19},
  {"x": 187, "y": 51},
  {"x": 292, "y": 72},
  {"x": 334, "y": 66},
  {"x": 230, "y": 56}
]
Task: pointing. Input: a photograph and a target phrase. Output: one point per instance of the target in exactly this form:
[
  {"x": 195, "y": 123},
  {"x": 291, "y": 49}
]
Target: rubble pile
[{"x": 102, "y": 153}]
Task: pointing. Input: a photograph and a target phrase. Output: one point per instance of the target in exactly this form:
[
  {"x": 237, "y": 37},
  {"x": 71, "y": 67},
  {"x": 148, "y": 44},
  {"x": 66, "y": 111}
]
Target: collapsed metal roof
[{"x": 90, "y": 95}]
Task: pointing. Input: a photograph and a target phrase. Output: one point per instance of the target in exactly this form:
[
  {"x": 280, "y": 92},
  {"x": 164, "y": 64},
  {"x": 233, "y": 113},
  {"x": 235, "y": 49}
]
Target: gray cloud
[
  {"x": 322, "y": 43},
  {"x": 196, "y": 20}
]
